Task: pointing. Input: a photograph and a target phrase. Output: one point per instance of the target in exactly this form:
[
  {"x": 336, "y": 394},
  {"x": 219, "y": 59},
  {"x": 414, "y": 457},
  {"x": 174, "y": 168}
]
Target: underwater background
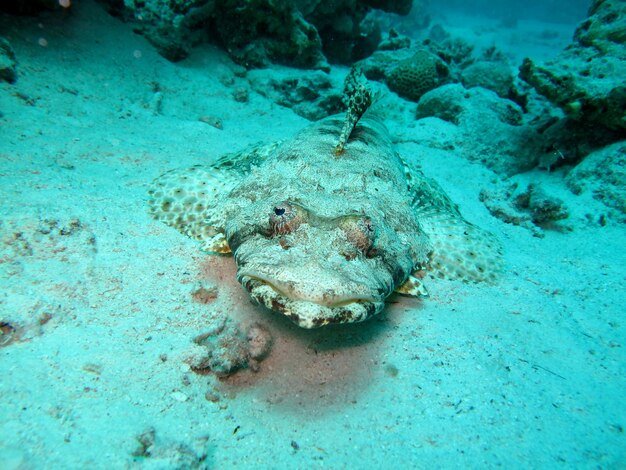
[{"x": 124, "y": 345}]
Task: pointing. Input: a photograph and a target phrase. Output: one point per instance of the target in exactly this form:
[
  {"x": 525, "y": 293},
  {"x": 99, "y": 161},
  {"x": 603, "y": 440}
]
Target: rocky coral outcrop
[
  {"x": 259, "y": 32},
  {"x": 410, "y": 72},
  {"x": 603, "y": 173},
  {"x": 587, "y": 79},
  {"x": 529, "y": 207},
  {"x": 173, "y": 28},
  {"x": 494, "y": 76},
  {"x": 312, "y": 95},
  {"x": 8, "y": 62},
  {"x": 490, "y": 129},
  {"x": 394, "y": 41},
  {"x": 304, "y": 33},
  {"x": 456, "y": 52}
]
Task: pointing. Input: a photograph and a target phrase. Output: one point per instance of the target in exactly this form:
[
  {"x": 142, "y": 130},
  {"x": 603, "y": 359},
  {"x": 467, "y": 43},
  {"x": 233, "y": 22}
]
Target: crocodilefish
[{"x": 324, "y": 234}]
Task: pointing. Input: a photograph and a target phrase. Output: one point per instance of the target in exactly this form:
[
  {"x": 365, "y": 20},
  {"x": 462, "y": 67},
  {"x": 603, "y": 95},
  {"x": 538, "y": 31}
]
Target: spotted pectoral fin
[
  {"x": 241, "y": 162},
  {"x": 413, "y": 287},
  {"x": 190, "y": 201},
  {"x": 460, "y": 250},
  {"x": 463, "y": 251}
]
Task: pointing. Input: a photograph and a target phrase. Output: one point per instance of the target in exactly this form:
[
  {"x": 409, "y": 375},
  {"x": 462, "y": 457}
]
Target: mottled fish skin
[
  {"x": 317, "y": 272},
  {"x": 320, "y": 237}
]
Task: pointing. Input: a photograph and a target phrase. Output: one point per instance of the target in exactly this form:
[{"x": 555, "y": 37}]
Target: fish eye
[
  {"x": 285, "y": 218},
  {"x": 360, "y": 231}
]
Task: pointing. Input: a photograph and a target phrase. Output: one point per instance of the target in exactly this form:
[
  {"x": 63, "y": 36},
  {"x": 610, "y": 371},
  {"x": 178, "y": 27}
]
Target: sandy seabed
[{"x": 98, "y": 315}]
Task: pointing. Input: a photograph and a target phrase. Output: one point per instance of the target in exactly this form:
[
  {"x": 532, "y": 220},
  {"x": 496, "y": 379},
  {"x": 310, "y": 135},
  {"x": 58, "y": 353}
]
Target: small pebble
[
  {"x": 212, "y": 121},
  {"x": 391, "y": 370},
  {"x": 241, "y": 95},
  {"x": 259, "y": 341},
  {"x": 93, "y": 368},
  {"x": 204, "y": 294},
  {"x": 179, "y": 396}
]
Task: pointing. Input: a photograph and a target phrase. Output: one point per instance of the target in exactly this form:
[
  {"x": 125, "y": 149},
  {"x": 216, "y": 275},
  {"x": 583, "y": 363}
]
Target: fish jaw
[{"x": 309, "y": 314}]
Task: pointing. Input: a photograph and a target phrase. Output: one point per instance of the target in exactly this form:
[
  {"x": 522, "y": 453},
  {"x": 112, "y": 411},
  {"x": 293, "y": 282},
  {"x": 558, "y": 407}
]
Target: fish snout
[
  {"x": 307, "y": 283},
  {"x": 310, "y": 313}
]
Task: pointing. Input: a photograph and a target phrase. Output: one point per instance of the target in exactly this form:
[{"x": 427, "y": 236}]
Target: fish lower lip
[
  {"x": 329, "y": 301},
  {"x": 308, "y": 314}
]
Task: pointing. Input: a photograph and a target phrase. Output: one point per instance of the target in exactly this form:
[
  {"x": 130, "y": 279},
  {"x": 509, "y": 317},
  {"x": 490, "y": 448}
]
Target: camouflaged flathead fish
[{"x": 325, "y": 226}]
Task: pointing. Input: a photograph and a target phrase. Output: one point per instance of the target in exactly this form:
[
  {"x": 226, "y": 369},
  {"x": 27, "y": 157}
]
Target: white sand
[{"x": 529, "y": 373}]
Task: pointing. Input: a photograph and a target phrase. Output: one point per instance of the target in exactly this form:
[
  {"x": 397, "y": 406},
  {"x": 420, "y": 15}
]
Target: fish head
[{"x": 314, "y": 268}]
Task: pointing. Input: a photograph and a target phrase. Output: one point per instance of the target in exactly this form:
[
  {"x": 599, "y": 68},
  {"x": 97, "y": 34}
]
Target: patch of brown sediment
[
  {"x": 313, "y": 369},
  {"x": 306, "y": 370},
  {"x": 221, "y": 271}
]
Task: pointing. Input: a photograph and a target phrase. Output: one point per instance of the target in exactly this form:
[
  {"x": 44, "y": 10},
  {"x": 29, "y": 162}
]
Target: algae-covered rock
[
  {"x": 258, "y": 32},
  {"x": 312, "y": 95},
  {"x": 8, "y": 62},
  {"x": 605, "y": 28},
  {"x": 530, "y": 207},
  {"x": 490, "y": 128},
  {"x": 173, "y": 28},
  {"x": 587, "y": 79},
  {"x": 603, "y": 172},
  {"x": 225, "y": 350},
  {"x": 394, "y": 41},
  {"x": 494, "y": 76},
  {"x": 301, "y": 33}
]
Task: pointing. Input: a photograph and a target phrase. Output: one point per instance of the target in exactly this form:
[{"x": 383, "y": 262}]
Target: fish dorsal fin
[
  {"x": 460, "y": 250},
  {"x": 358, "y": 97},
  {"x": 191, "y": 199}
]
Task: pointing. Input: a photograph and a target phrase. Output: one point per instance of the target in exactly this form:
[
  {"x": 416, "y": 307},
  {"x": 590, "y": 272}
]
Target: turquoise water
[{"x": 127, "y": 344}]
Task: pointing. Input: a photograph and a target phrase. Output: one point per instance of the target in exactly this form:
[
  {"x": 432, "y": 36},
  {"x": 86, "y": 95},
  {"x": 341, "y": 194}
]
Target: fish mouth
[
  {"x": 323, "y": 297},
  {"x": 308, "y": 313}
]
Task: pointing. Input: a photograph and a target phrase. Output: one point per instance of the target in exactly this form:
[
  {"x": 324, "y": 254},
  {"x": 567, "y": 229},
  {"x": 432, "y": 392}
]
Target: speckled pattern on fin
[
  {"x": 413, "y": 287},
  {"x": 242, "y": 161},
  {"x": 460, "y": 249},
  {"x": 190, "y": 199}
]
